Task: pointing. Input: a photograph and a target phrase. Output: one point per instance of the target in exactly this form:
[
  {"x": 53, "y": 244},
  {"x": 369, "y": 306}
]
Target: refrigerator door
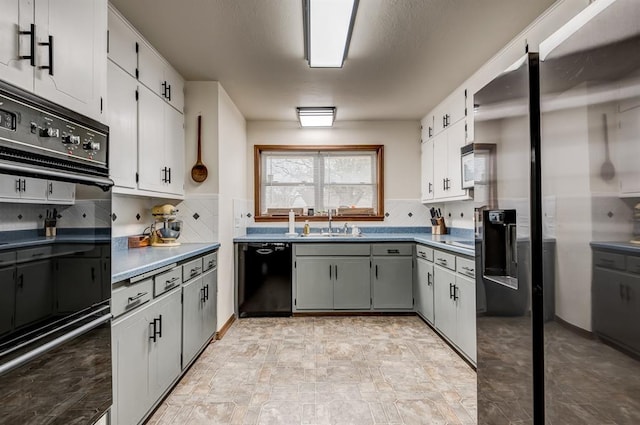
[
  {"x": 503, "y": 121},
  {"x": 590, "y": 166}
]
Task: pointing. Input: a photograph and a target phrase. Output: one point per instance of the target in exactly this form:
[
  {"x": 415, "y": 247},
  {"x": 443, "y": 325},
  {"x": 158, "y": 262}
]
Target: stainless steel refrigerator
[{"x": 559, "y": 335}]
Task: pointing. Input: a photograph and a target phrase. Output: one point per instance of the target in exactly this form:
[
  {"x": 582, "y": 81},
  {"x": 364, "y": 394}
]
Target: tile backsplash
[{"x": 19, "y": 216}]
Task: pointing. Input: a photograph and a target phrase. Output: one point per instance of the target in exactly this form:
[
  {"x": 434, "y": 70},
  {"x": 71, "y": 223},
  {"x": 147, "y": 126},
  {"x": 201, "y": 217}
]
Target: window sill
[{"x": 303, "y": 218}]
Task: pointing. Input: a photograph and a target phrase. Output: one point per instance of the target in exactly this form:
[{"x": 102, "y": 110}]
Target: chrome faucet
[{"x": 329, "y": 216}]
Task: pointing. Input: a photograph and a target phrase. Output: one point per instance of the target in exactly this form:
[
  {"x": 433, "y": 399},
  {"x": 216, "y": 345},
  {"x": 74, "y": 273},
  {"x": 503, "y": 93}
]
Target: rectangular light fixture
[
  {"x": 328, "y": 25},
  {"x": 316, "y": 116}
]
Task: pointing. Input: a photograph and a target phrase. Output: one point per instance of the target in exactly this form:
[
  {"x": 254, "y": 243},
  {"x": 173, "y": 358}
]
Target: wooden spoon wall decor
[{"x": 199, "y": 171}]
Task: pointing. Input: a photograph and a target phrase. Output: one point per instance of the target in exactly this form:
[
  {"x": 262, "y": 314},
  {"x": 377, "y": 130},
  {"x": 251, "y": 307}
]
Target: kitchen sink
[{"x": 330, "y": 235}]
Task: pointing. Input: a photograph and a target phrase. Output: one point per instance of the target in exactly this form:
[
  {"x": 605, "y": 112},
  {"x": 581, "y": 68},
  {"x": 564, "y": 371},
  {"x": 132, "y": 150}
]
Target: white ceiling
[{"x": 405, "y": 55}]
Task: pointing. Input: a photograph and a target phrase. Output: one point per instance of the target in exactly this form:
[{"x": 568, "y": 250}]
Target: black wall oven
[{"x": 55, "y": 283}]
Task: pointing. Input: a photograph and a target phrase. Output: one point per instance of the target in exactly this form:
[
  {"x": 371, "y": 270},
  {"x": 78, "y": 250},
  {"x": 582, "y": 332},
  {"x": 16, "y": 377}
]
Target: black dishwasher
[{"x": 264, "y": 279}]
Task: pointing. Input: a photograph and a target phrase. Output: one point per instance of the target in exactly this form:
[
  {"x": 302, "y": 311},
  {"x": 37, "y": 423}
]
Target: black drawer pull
[
  {"x": 171, "y": 281},
  {"x": 50, "y": 45},
  {"x": 32, "y": 44},
  {"x": 393, "y": 251}
]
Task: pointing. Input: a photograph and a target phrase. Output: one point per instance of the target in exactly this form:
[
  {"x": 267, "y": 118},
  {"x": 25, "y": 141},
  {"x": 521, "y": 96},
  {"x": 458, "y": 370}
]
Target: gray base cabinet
[
  {"x": 327, "y": 283},
  {"x": 157, "y": 333},
  {"x": 455, "y": 301},
  {"x": 424, "y": 289},
  {"x": 199, "y": 314},
  {"x": 146, "y": 357},
  {"x": 616, "y": 298},
  {"x": 392, "y": 283}
]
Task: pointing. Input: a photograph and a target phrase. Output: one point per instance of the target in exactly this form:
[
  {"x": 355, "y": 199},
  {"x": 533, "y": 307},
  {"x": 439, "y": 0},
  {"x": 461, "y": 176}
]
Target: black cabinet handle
[
  {"x": 430, "y": 132},
  {"x": 21, "y": 281},
  {"x": 24, "y": 185},
  {"x": 376, "y": 271},
  {"x": 444, "y": 121},
  {"x": 169, "y": 91},
  {"x": 430, "y": 187},
  {"x": 455, "y": 292},
  {"x": 169, "y": 175},
  {"x": 393, "y": 251},
  {"x": 50, "y": 188},
  {"x": 32, "y": 44},
  {"x": 160, "y": 326},
  {"x": 329, "y": 271},
  {"x": 137, "y": 297},
  {"x": 164, "y": 89},
  {"x": 154, "y": 331},
  {"x": 336, "y": 266},
  {"x": 428, "y": 279},
  {"x": 18, "y": 185},
  {"x": 50, "y": 66},
  {"x": 206, "y": 287},
  {"x": 450, "y": 290},
  {"x": 203, "y": 295}
]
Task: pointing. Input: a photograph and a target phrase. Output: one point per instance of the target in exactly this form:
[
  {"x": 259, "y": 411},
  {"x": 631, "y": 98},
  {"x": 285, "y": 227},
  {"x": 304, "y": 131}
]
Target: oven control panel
[{"x": 26, "y": 128}]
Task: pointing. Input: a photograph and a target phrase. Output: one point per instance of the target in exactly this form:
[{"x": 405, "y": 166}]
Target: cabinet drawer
[
  {"x": 130, "y": 297},
  {"x": 191, "y": 269},
  {"x": 332, "y": 249},
  {"x": 165, "y": 281},
  {"x": 210, "y": 261},
  {"x": 608, "y": 260},
  {"x": 444, "y": 259},
  {"x": 466, "y": 267},
  {"x": 424, "y": 252},
  {"x": 7, "y": 258},
  {"x": 392, "y": 249},
  {"x": 34, "y": 253},
  {"x": 633, "y": 264}
]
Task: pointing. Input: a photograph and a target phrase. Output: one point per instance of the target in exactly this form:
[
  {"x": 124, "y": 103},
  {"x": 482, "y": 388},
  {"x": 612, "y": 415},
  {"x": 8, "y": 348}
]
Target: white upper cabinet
[
  {"x": 123, "y": 43},
  {"x": 159, "y": 77},
  {"x": 16, "y": 37},
  {"x": 56, "y": 49},
  {"x": 426, "y": 183},
  {"x": 122, "y": 116}
]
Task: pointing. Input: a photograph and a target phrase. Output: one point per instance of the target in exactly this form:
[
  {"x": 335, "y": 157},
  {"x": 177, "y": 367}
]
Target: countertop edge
[
  {"x": 156, "y": 264},
  {"x": 617, "y": 246},
  {"x": 435, "y": 241}
]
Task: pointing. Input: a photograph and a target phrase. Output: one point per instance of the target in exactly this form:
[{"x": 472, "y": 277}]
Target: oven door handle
[
  {"x": 19, "y": 361},
  {"x": 57, "y": 174}
]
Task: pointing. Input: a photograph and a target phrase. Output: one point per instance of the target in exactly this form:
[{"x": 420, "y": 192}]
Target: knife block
[{"x": 439, "y": 228}]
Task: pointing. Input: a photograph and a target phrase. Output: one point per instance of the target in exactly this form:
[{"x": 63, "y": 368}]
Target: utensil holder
[{"x": 439, "y": 228}]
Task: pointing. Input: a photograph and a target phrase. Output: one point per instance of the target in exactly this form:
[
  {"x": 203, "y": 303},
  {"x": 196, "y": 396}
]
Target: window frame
[{"x": 257, "y": 179}]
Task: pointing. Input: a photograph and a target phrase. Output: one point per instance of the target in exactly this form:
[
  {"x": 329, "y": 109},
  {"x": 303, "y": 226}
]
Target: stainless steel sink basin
[{"x": 330, "y": 235}]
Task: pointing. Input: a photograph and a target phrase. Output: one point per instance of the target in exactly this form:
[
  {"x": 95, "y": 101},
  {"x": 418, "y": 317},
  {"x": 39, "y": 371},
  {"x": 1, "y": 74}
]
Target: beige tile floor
[{"x": 325, "y": 370}]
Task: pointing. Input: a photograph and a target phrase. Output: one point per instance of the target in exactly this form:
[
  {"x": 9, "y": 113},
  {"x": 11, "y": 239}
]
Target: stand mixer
[{"x": 169, "y": 231}]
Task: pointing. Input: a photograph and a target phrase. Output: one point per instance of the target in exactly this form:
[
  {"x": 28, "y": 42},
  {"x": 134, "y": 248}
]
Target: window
[{"x": 313, "y": 179}]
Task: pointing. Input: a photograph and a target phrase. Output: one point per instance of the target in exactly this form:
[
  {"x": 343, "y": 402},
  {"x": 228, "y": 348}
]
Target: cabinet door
[
  {"x": 314, "y": 283},
  {"x": 122, "y": 44},
  {"x": 629, "y": 148},
  {"x": 456, "y": 106},
  {"x": 466, "y": 316},
  {"x": 16, "y": 15},
  {"x": 61, "y": 192},
  {"x": 210, "y": 319},
  {"x": 164, "y": 354},
  {"x": 151, "y": 70},
  {"x": 352, "y": 284},
  {"x": 424, "y": 289},
  {"x": 192, "y": 319},
  {"x": 9, "y": 187},
  {"x": 78, "y": 283},
  {"x": 76, "y": 77},
  {"x": 427, "y": 170},
  {"x": 440, "y": 166},
  {"x": 175, "y": 91},
  {"x": 444, "y": 308},
  {"x": 34, "y": 292},
  {"x": 122, "y": 117},
  {"x": 7, "y": 289},
  {"x": 151, "y": 165},
  {"x": 130, "y": 349},
  {"x": 33, "y": 189},
  {"x": 455, "y": 140},
  {"x": 392, "y": 282},
  {"x": 174, "y": 149},
  {"x": 611, "y": 315}
]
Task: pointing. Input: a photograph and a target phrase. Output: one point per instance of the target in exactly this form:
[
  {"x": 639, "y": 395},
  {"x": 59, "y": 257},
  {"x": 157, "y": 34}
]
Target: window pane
[
  {"x": 288, "y": 197},
  {"x": 347, "y": 196},
  {"x": 288, "y": 169},
  {"x": 349, "y": 168}
]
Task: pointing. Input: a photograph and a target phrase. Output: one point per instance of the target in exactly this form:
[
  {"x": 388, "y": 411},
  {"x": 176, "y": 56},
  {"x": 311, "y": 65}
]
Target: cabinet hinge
[
  {"x": 137, "y": 48},
  {"x": 137, "y": 177},
  {"x": 107, "y": 41},
  {"x": 137, "y": 95}
]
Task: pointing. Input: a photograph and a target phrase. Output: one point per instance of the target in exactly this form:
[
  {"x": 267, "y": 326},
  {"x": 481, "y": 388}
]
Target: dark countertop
[
  {"x": 624, "y": 247},
  {"x": 435, "y": 241},
  {"x": 127, "y": 263}
]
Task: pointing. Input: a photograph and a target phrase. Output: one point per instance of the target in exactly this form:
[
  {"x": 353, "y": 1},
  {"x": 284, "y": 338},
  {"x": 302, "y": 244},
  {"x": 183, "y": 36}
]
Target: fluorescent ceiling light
[
  {"x": 328, "y": 25},
  {"x": 316, "y": 117}
]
